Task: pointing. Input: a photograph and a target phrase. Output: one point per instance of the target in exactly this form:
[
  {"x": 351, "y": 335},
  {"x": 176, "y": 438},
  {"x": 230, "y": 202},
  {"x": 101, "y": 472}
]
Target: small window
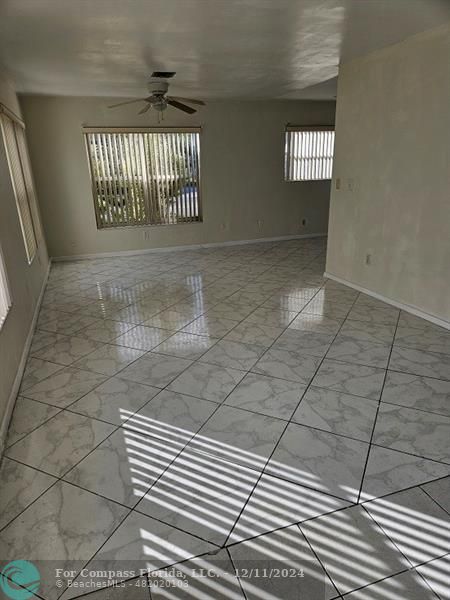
[
  {"x": 5, "y": 297},
  {"x": 20, "y": 171},
  {"x": 308, "y": 153},
  {"x": 145, "y": 177}
]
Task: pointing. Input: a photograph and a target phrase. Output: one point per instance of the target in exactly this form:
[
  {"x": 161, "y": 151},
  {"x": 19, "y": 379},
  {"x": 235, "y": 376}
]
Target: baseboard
[
  {"x": 406, "y": 307},
  {"x": 185, "y": 247},
  {"x": 16, "y": 385}
]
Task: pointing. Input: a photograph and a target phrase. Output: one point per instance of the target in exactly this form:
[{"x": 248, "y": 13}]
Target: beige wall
[
  {"x": 393, "y": 141},
  {"x": 25, "y": 280},
  {"x": 242, "y": 173}
]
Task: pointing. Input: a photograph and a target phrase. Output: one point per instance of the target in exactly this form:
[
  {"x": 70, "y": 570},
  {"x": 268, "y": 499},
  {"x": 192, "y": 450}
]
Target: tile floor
[{"x": 229, "y": 411}]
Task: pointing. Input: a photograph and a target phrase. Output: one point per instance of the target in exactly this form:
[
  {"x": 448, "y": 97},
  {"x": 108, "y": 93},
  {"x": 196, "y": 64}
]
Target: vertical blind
[
  {"x": 149, "y": 177},
  {"x": 5, "y": 298},
  {"x": 308, "y": 153},
  {"x": 20, "y": 171}
]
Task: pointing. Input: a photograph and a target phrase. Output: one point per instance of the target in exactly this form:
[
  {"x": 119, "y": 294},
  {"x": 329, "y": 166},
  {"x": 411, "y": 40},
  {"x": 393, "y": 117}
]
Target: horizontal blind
[
  {"x": 5, "y": 298},
  {"x": 11, "y": 134},
  {"x": 308, "y": 153},
  {"x": 145, "y": 178}
]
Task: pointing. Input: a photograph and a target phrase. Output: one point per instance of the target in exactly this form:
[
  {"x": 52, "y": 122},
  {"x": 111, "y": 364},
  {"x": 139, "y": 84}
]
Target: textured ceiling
[{"x": 247, "y": 49}]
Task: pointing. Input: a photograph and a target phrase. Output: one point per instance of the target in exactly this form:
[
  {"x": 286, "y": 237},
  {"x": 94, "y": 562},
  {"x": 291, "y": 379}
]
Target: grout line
[{"x": 377, "y": 412}]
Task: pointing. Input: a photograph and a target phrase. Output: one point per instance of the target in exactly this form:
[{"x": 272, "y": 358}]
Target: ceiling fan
[{"x": 158, "y": 98}]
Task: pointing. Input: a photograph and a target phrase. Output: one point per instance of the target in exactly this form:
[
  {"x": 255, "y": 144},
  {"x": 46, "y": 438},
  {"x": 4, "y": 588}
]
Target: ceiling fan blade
[
  {"x": 146, "y": 108},
  {"x": 180, "y": 106},
  {"x": 127, "y": 102},
  {"x": 188, "y": 100}
]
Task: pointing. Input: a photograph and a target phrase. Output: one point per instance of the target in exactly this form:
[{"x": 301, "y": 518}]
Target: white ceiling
[{"x": 247, "y": 49}]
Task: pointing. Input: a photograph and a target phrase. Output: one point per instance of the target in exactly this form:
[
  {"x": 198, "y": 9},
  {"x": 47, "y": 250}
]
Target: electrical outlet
[
  {"x": 146, "y": 235},
  {"x": 368, "y": 259},
  {"x": 338, "y": 183},
  {"x": 304, "y": 222},
  {"x": 260, "y": 223},
  {"x": 350, "y": 184}
]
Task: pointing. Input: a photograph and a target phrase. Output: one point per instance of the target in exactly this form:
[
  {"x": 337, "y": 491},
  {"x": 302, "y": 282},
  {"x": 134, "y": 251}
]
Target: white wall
[
  {"x": 242, "y": 148},
  {"x": 393, "y": 141},
  {"x": 25, "y": 280}
]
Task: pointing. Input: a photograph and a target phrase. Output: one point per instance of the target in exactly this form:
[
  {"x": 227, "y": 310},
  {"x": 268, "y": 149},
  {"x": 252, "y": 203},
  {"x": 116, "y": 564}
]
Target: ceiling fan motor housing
[{"x": 158, "y": 88}]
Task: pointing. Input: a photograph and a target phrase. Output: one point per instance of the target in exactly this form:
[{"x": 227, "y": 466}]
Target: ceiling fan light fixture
[{"x": 160, "y": 104}]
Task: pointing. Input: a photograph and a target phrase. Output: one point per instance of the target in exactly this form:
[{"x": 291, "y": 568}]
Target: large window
[
  {"x": 13, "y": 134},
  {"x": 145, "y": 176},
  {"x": 308, "y": 153}
]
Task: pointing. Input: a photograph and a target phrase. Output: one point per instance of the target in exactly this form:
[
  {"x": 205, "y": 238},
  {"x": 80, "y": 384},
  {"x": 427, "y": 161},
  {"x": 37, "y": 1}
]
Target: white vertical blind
[
  {"x": 144, "y": 177},
  {"x": 308, "y": 153},
  {"x": 15, "y": 145},
  {"x": 5, "y": 297}
]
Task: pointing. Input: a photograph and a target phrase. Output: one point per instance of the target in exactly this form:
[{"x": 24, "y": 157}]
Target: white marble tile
[
  {"x": 414, "y": 431},
  {"x": 368, "y": 332},
  {"x": 273, "y": 552},
  {"x": 123, "y": 466},
  {"x": 67, "y": 350},
  {"x": 170, "y": 319},
  {"x": 19, "y": 487},
  {"x": 383, "y": 316},
  {"x": 239, "y": 436},
  {"x": 270, "y": 316},
  {"x": 285, "y": 364},
  {"x": 351, "y": 379},
  {"x": 249, "y": 332},
  {"x": 359, "y": 352},
  {"x": 337, "y": 412},
  {"x": 37, "y": 370},
  {"x": 414, "y": 522},
  {"x": 307, "y": 342},
  {"x": 435, "y": 574},
  {"x": 420, "y": 362},
  {"x": 64, "y": 387},
  {"x": 150, "y": 544},
  {"x": 200, "y": 494},
  {"x": 277, "y": 503},
  {"x": 267, "y": 395},
  {"x": 406, "y": 585},
  {"x": 27, "y": 415},
  {"x": 185, "y": 345},
  {"x": 440, "y": 492},
  {"x": 389, "y": 471},
  {"x": 211, "y": 326},
  {"x": 109, "y": 359},
  {"x": 329, "y": 308},
  {"x": 317, "y": 323},
  {"x": 62, "y": 529},
  {"x": 236, "y": 355},
  {"x": 68, "y": 324},
  {"x": 115, "y": 400},
  {"x": 431, "y": 338},
  {"x": 321, "y": 460},
  {"x": 359, "y": 554},
  {"x": 414, "y": 391},
  {"x": 219, "y": 580},
  {"x": 142, "y": 337},
  {"x": 207, "y": 381},
  {"x": 60, "y": 443},
  {"x": 42, "y": 339},
  {"x": 155, "y": 369},
  {"x": 105, "y": 330},
  {"x": 171, "y": 417}
]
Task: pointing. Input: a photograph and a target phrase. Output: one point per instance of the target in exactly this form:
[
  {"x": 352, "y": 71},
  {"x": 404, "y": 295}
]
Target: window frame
[
  {"x": 27, "y": 180},
  {"x": 86, "y": 130},
  {"x": 290, "y": 128}
]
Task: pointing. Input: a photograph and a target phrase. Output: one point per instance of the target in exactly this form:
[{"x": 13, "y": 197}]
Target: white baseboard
[
  {"x": 185, "y": 247},
  {"x": 16, "y": 385},
  {"x": 406, "y": 307}
]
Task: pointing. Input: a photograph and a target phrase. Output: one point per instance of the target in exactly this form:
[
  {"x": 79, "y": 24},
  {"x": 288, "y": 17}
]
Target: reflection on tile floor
[{"x": 230, "y": 411}]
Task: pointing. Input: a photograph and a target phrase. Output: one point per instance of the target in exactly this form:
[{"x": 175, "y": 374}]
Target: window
[
  {"x": 13, "y": 133},
  {"x": 5, "y": 298},
  {"x": 308, "y": 153},
  {"x": 144, "y": 177}
]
